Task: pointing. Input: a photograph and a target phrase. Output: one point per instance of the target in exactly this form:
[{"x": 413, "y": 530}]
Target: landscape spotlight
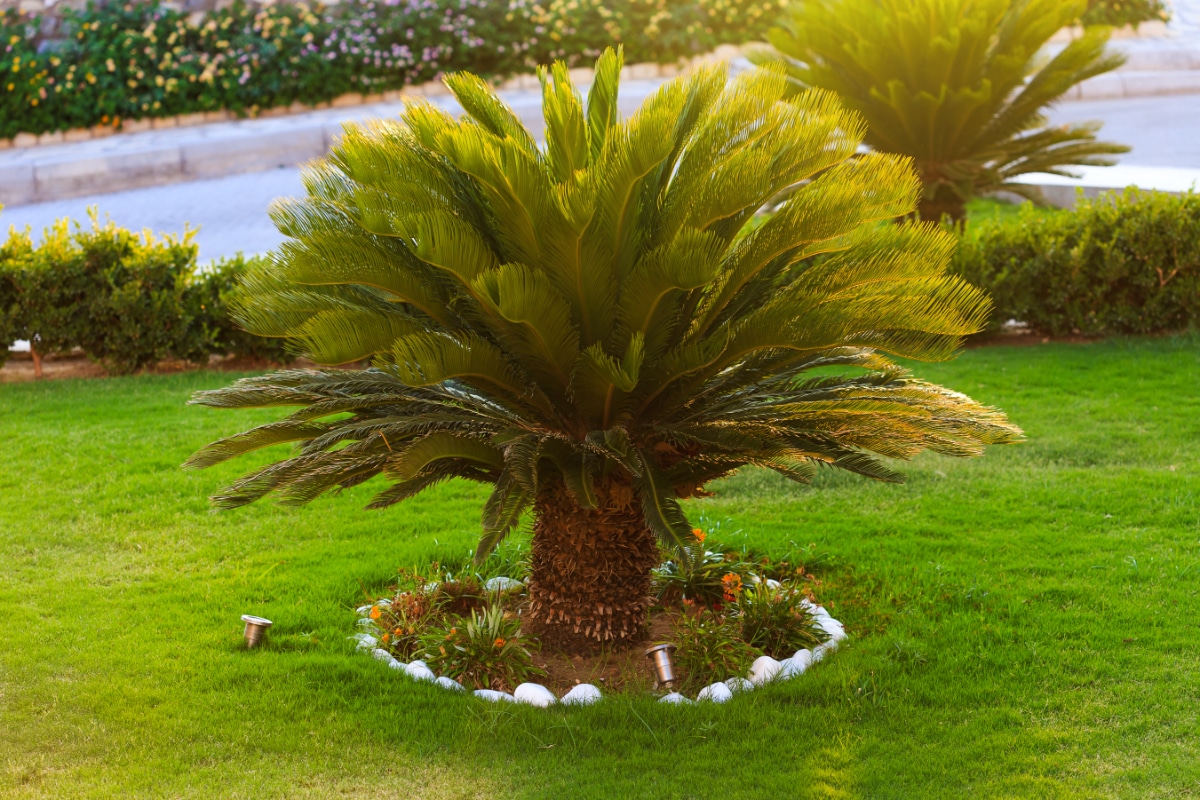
[
  {"x": 660, "y": 654},
  {"x": 256, "y": 629}
]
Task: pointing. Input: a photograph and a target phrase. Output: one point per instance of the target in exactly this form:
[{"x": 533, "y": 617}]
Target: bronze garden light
[{"x": 256, "y": 629}]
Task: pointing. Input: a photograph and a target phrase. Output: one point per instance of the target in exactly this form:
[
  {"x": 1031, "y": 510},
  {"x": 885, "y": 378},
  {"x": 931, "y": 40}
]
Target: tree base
[{"x": 590, "y": 583}]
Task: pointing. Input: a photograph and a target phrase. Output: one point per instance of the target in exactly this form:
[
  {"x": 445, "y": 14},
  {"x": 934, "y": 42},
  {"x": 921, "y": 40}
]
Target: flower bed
[
  {"x": 116, "y": 63},
  {"x": 464, "y": 633}
]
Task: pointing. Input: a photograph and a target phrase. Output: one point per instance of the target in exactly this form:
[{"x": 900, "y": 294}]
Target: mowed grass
[{"x": 1022, "y": 625}]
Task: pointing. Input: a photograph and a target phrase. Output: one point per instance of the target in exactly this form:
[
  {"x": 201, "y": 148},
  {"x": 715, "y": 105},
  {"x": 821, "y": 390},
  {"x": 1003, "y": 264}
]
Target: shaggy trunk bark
[
  {"x": 944, "y": 203},
  {"x": 590, "y": 583},
  {"x": 37, "y": 361}
]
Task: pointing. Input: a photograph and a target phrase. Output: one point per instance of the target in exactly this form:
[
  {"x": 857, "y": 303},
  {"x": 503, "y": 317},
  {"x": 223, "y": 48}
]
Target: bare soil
[
  {"x": 625, "y": 670},
  {"x": 19, "y": 368}
]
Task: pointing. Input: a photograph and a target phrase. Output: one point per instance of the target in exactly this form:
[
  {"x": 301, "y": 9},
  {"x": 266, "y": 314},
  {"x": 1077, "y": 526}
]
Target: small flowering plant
[
  {"x": 701, "y": 577},
  {"x": 485, "y": 651},
  {"x": 403, "y": 621}
]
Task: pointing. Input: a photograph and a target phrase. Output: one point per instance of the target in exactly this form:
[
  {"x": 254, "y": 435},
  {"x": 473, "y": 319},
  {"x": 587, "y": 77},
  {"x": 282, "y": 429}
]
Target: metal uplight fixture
[
  {"x": 660, "y": 654},
  {"x": 256, "y": 629}
]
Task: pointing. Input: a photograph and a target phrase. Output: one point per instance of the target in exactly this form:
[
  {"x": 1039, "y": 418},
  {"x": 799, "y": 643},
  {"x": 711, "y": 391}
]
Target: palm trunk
[
  {"x": 590, "y": 583},
  {"x": 37, "y": 361},
  {"x": 944, "y": 203}
]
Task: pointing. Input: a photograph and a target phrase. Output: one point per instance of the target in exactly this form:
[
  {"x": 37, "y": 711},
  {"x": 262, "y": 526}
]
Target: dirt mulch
[
  {"x": 19, "y": 368},
  {"x": 627, "y": 670}
]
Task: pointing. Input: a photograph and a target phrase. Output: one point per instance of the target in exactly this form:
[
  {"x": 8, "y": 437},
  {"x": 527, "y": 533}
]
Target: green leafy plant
[
  {"x": 957, "y": 85},
  {"x": 696, "y": 576},
  {"x": 485, "y": 651},
  {"x": 590, "y": 328},
  {"x": 710, "y": 647},
  {"x": 775, "y": 619},
  {"x": 1119, "y": 264}
]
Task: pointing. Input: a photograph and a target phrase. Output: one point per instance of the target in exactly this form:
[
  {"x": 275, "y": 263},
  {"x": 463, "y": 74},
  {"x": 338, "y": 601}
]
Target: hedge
[
  {"x": 1119, "y": 13},
  {"x": 127, "y": 300},
  {"x": 1119, "y": 264},
  {"x": 143, "y": 60}
]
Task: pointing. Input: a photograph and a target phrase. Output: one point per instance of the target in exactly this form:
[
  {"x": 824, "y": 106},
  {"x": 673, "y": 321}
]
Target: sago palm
[
  {"x": 595, "y": 328},
  {"x": 959, "y": 86}
]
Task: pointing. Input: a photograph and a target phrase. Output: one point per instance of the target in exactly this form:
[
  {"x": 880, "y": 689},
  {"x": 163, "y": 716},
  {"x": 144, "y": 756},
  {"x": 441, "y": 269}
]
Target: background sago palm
[
  {"x": 958, "y": 85},
  {"x": 594, "y": 327}
]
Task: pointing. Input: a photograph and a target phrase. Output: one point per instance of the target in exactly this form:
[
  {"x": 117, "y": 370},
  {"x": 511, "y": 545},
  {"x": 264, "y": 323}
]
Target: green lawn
[{"x": 1022, "y": 625}]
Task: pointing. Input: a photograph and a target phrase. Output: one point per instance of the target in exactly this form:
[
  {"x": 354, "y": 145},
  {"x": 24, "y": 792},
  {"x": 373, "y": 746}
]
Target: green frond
[
  {"x": 605, "y": 306},
  {"x": 406, "y": 464},
  {"x": 253, "y": 439},
  {"x": 502, "y": 512},
  {"x": 485, "y": 107},
  {"x": 602, "y": 99}
]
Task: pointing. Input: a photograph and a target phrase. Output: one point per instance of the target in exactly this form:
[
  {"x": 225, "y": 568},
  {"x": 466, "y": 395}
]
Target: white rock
[
  {"x": 801, "y": 660},
  {"x": 739, "y": 685},
  {"x": 449, "y": 683},
  {"x": 382, "y": 655},
  {"x": 492, "y": 696},
  {"x": 398, "y": 665},
  {"x": 362, "y": 610},
  {"x": 501, "y": 584},
  {"x": 365, "y": 641},
  {"x": 764, "y": 669},
  {"x": 773, "y": 584},
  {"x": 819, "y": 651},
  {"x": 675, "y": 698},
  {"x": 835, "y": 629},
  {"x": 534, "y": 694},
  {"x": 582, "y": 695},
  {"x": 717, "y": 692},
  {"x": 419, "y": 672},
  {"x": 366, "y": 622}
]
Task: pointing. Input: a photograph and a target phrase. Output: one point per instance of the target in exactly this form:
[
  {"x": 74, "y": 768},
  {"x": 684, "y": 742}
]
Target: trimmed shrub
[
  {"x": 128, "y": 300},
  {"x": 1121, "y": 264},
  {"x": 142, "y": 60},
  {"x": 209, "y": 297}
]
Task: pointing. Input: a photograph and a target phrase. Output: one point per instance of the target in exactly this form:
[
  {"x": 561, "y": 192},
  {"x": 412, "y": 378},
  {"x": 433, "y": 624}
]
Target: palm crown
[
  {"x": 958, "y": 85},
  {"x": 596, "y": 327}
]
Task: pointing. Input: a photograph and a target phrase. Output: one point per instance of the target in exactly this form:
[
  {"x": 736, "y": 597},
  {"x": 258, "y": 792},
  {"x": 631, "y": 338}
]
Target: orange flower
[
  {"x": 375, "y": 612},
  {"x": 699, "y": 534},
  {"x": 498, "y": 643},
  {"x": 385, "y": 638},
  {"x": 733, "y": 586}
]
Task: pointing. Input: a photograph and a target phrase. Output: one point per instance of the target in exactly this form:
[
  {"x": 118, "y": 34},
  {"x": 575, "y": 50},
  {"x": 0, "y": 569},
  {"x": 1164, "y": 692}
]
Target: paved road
[{"x": 231, "y": 212}]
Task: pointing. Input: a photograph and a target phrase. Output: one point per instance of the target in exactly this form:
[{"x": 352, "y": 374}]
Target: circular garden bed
[{"x": 734, "y": 620}]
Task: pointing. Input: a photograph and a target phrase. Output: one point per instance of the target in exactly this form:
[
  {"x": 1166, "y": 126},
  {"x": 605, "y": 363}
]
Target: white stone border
[{"x": 764, "y": 670}]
